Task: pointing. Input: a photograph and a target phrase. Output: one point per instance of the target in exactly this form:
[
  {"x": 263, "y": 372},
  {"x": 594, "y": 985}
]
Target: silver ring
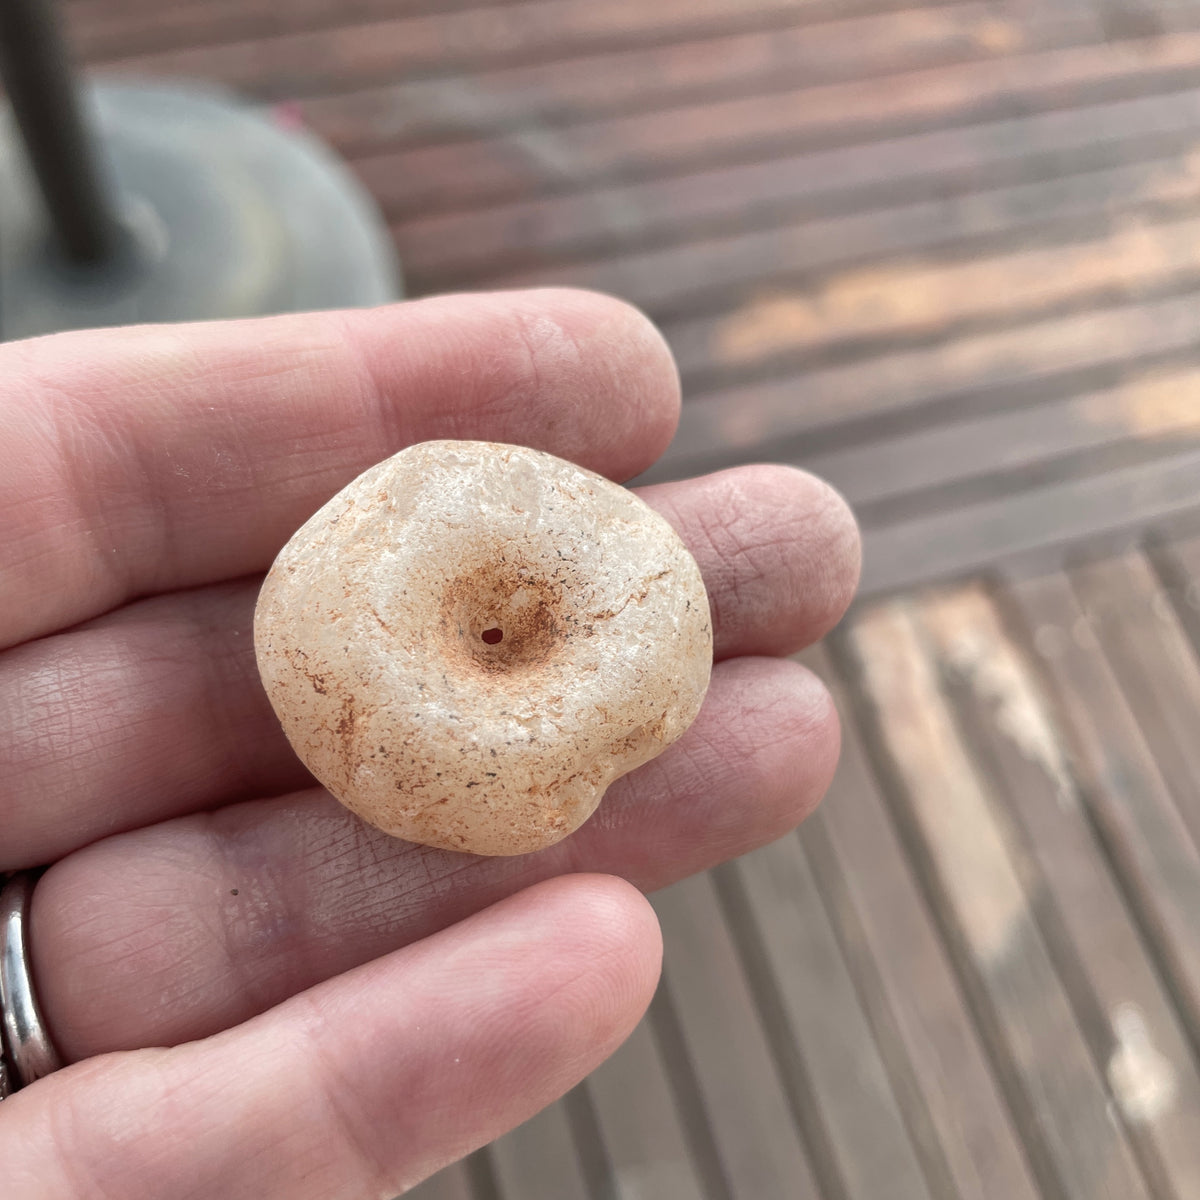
[{"x": 28, "y": 1051}]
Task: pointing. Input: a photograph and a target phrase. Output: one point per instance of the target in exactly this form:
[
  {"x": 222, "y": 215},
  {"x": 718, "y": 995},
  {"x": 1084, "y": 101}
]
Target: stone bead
[{"x": 471, "y": 641}]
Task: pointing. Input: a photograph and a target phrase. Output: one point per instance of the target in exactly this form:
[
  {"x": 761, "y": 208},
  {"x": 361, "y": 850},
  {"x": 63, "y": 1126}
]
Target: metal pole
[{"x": 37, "y": 75}]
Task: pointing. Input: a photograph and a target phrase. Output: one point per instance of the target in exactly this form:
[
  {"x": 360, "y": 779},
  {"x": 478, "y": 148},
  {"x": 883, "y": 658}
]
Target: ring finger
[
  {"x": 364, "y": 1085},
  {"x": 188, "y": 927}
]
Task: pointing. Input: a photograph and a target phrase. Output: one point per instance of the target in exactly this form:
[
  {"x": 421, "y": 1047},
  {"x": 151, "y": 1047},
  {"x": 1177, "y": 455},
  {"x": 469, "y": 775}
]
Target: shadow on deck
[{"x": 949, "y": 257}]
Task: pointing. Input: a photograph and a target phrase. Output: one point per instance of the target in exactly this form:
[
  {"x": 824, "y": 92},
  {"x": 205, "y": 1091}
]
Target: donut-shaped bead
[{"x": 471, "y": 641}]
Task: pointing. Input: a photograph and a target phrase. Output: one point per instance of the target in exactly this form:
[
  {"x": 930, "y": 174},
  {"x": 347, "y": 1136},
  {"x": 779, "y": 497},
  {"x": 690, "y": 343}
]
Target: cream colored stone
[{"x": 375, "y": 635}]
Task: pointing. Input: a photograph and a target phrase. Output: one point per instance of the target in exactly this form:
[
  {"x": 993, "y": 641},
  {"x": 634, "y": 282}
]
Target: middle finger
[{"x": 156, "y": 710}]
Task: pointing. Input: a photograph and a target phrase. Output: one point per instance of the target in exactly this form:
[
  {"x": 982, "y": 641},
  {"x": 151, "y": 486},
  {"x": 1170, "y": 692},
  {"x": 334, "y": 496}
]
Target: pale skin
[{"x": 259, "y": 996}]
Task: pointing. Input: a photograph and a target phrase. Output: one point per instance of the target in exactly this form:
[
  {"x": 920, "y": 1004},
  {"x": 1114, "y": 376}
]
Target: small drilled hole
[{"x": 492, "y": 636}]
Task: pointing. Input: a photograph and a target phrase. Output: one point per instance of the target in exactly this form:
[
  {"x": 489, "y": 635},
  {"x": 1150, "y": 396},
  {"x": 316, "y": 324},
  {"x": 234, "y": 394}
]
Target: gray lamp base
[{"x": 226, "y": 213}]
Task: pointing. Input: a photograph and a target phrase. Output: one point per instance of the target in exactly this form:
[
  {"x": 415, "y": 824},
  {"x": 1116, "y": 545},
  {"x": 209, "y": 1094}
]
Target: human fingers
[
  {"x": 158, "y": 457},
  {"x": 176, "y": 931},
  {"x": 363, "y": 1085},
  {"x": 156, "y": 710},
  {"x": 779, "y": 550}
]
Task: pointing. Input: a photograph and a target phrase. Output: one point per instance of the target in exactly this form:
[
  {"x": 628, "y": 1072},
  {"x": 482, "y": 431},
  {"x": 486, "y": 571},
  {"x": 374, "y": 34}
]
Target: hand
[{"x": 344, "y": 1013}]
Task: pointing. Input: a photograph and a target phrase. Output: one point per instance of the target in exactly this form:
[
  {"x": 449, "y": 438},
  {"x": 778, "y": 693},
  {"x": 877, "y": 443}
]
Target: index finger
[{"x": 158, "y": 457}]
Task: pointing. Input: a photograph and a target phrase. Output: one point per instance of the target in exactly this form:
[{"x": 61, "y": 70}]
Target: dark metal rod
[{"x": 42, "y": 91}]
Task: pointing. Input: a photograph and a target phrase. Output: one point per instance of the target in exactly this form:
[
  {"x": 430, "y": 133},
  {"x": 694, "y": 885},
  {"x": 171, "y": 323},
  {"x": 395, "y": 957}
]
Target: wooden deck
[{"x": 948, "y": 255}]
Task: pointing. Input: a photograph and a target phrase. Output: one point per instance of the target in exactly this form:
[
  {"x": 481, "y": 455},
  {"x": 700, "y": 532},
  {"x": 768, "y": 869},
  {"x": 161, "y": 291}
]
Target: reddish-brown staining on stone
[
  {"x": 346, "y": 724},
  {"x": 382, "y": 623},
  {"x": 638, "y": 597},
  {"x": 510, "y": 595},
  {"x": 297, "y": 660}
]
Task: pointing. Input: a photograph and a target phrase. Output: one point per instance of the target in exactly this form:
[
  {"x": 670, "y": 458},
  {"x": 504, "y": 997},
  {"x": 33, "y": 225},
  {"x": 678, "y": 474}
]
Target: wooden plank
[
  {"x": 1178, "y": 566},
  {"x": 1157, "y": 405},
  {"x": 451, "y": 175},
  {"x": 953, "y": 543},
  {"x": 680, "y": 134},
  {"x": 538, "y": 1160},
  {"x": 450, "y": 247},
  {"x": 702, "y": 273},
  {"x": 99, "y": 10},
  {"x": 823, "y": 1044},
  {"x": 119, "y": 27},
  {"x": 450, "y": 1183},
  {"x": 783, "y": 418},
  {"x": 641, "y": 1131},
  {"x": 753, "y": 1136},
  {"x": 383, "y": 49},
  {"x": 1134, "y": 1033},
  {"x": 1058, "y": 1096},
  {"x": 1143, "y": 833},
  {"x": 750, "y": 127},
  {"x": 923, "y": 1026},
  {"x": 584, "y": 87},
  {"x": 857, "y": 108},
  {"x": 1155, "y": 664},
  {"x": 1177, "y": 563},
  {"x": 920, "y": 299}
]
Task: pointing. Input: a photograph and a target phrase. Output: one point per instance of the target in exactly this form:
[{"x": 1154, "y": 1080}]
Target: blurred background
[{"x": 947, "y": 254}]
